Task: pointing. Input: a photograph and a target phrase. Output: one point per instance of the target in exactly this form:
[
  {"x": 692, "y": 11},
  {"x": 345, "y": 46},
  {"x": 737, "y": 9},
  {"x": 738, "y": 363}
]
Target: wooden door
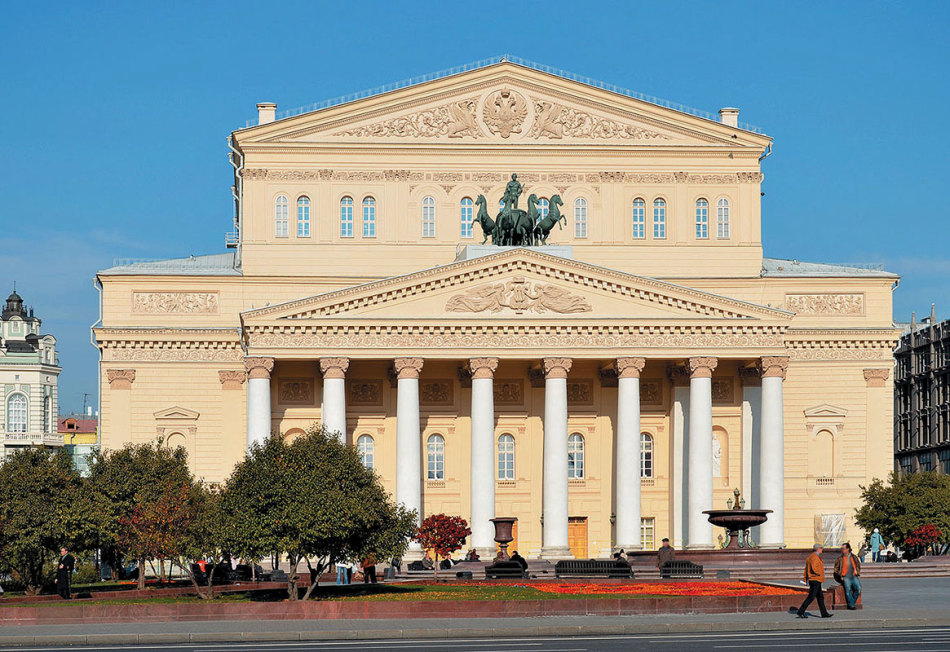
[{"x": 577, "y": 536}]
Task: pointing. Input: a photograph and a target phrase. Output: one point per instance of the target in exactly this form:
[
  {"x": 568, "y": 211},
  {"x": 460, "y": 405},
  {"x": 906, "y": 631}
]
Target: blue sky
[{"x": 114, "y": 117}]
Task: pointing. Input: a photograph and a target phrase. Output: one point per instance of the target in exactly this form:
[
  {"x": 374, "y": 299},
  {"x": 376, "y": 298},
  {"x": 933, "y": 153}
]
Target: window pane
[
  {"x": 659, "y": 219},
  {"x": 506, "y": 457},
  {"x": 575, "y": 457},
  {"x": 580, "y": 218},
  {"x": 702, "y": 219},
  {"x": 366, "y": 448},
  {"x": 303, "y": 217},
  {"x": 17, "y": 419},
  {"x": 648, "y": 533},
  {"x": 369, "y": 218},
  {"x": 428, "y": 217},
  {"x": 722, "y": 218},
  {"x": 435, "y": 458},
  {"x": 646, "y": 455},
  {"x": 544, "y": 207},
  {"x": 468, "y": 214},
  {"x": 281, "y": 226},
  {"x": 346, "y": 217},
  {"x": 639, "y": 219}
]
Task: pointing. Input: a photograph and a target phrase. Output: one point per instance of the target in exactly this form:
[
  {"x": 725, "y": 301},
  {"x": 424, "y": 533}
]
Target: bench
[
  {"x": 505, "y": 570},
  {"x": 674, "y": 570},
  {"x": 618, "y": 569}
]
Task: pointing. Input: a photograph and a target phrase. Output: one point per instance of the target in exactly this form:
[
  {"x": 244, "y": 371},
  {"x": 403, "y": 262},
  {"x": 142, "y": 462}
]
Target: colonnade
[{"x": 699, "y": 489}]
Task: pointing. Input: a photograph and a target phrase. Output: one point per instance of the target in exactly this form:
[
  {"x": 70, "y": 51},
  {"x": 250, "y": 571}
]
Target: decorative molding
[
  {"x": 258, "y": 367},
  {"x": 407, "y": 367},
  {"x": 231, "y": 379},
  {"x": 826, "y": 304},
  {"x": 334, "y": 367},
  {"x": 170, "y": 353},
  {"x": 773, "y": 366},
  {"x": 120, "y": 378},
  {"x": 701, "y": 367},
  {"x": 295, "y": 390},
  {"x": 749, "y": 177},
  {"x": 455, "y": 120},
  {"x": 651, "y": 392},
  {"x": 504, "y": 112},
  {"x": 437, "y": 392},
  {"x": 630, "y": 367},
  {"x": 876, "y": 377},
  {"x": 205, "y": 303},
  {"x": 364, "y": 392},
  {"x": 556, "y": 121},
  {"x": 723, "y": 391},
  {"x": 482, "y": 367},
  {"x": 580, "y": 392},
  {"x": 508, "y": 391},
  {"x": 519, "y": 295},
  {"x": 556, "y": 367}
]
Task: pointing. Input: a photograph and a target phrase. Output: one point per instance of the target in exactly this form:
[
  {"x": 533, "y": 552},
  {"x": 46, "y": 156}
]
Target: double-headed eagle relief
[{"x": 514, "y": 227}]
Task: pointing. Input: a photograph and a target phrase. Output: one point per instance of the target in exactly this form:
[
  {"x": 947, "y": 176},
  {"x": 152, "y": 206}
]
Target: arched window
[
  {"x": 346, "y": 217},
  {"x": 46, "y": 414},
  {"x": 580, "y": 218},
  {"x": 639, "y": 219},
  {"x": 281, "y": 222},
  {"x": 646, "y": 455},
  {"x": 544, "y": 207},
  {"x": 175, "y": 440},
  {"x": 428, "y": 217},
  {"x": 17, "y": 413},
  {"x": 366, "y": 447},
  {"x": 722, "y": 218},
  {"x": 702, "y": 219},
  {"x": 303, "y": 217},
  {"x": 575, "y": 457},
  {"x": 506, "y": 457},
  {"x": 467, "y": 215},
  {"x": 659, "y": 219},
  {"x": 369, "y": 217},
  {"x": 435, "y": 458}
]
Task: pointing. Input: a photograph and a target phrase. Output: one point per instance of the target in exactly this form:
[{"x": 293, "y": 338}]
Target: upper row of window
[{"x": 467, "y": 214}]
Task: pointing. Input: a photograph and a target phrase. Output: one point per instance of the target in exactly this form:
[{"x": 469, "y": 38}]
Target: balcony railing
[{"x": 31, "y": 439}]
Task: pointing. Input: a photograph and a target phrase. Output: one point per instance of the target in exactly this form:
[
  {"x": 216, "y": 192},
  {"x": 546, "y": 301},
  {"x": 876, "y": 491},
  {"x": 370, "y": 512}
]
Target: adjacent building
[
  {"x": 922, "y": 397},
  {"x": 605, "y": 388},
  {"x": 80, "y": 434},
  {"x": 29, "y": 371}
]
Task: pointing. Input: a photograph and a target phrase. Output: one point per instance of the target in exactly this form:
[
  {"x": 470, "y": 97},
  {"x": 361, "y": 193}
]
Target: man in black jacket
[{"x": 64, "y": 573}]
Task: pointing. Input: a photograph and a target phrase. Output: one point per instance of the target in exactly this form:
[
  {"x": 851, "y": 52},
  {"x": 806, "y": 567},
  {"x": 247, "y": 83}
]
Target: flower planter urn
[{"x": 503, "y": 526}]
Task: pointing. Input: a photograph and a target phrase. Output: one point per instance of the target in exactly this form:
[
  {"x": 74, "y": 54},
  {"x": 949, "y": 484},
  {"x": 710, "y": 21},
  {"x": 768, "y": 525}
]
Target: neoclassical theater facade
[{"x": 604, "y": 388}]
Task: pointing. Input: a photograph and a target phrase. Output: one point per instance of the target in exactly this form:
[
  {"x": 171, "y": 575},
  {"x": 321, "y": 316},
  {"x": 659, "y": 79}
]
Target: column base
[
  {"x": 487, "y": 553},
  {"x": 700, "y": 546},
  {"x": 555, "y": 552},
  {"x": 413, "y": 553},
  {"x": 626, "y": 548},
  {"x": 773, "y": 546}
]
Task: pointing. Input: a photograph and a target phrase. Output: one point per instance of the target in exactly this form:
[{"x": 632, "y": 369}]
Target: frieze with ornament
[
  {"x": 556, "y": 121},
  {"x": 519, "y": 295},
  {"x": 175, "y": 302},
  {"x": 453, "y": 120},
  {"x": 825, "y": 304}
]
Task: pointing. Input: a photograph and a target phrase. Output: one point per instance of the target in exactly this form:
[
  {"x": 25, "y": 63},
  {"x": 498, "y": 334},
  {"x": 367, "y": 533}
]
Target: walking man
[
  {"x": 877, "y": 542},
  {"x": 814, "y": 575},
  {"x": 847, "y": 571},
  {"x": 64, "y": 573}
]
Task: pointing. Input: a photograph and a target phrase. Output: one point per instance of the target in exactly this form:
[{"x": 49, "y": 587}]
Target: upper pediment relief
[{"x": 501, "y": 104}]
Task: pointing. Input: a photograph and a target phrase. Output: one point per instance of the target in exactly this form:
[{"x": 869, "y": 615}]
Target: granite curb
[{"x": 540, "y": 629}]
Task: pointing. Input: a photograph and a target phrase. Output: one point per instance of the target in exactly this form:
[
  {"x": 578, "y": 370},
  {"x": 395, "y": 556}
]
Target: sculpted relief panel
[
  {"x": 825, "y": 304},
  {"x": 175, "y": 302},
  {"x": 454, "y": 120},
  {"x": 519, "y": 295},
  {"x": 557, "y": 121}
]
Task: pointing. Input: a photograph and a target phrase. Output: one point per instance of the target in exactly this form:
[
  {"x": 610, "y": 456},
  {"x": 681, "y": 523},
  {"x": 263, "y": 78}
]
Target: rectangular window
[{"x": 648, "y": 533}]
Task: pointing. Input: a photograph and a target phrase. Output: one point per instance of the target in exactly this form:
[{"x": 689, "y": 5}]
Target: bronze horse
[
  {"x": 544, "y": 226},
  {"x": 487, "y": 223}
]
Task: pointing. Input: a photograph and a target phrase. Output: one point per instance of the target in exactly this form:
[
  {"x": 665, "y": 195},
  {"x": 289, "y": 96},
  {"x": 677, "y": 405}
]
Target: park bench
[
  {"x": 681, "y": 569},
  {"x": 501, "y": 570},
  {"x": 612, "y": 568}
]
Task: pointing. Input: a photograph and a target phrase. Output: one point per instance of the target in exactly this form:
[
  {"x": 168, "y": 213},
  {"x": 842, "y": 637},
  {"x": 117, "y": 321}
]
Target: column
[
  {"x": 554, "y": 542},
  {"x": 699, "y": 487},
  {"x": 627, "y": 461},
  {"x": 750, "y": 376},
  {"x": 258, "y": 399},
  {"x": 679, "y": 455},
  {"x": 483, "y": 455},
  {"x": 409, "y": 442},
  {"x": 772, "y": 452},
  {"x": 334, "y": 394}
]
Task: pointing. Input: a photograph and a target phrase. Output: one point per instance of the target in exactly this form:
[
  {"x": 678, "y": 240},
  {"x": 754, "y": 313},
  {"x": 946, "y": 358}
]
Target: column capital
[
  {"x": 407, "y": 367},
  {"x": 258, "y": 367},
  {"x": 630, "y": 367},
  {"x": 773, "y": 366},
  {"x": 876, "y": 377},
  {"x": 701, "y": 367},
  {"x": 482, "y": 367},
  {"x": 334, "y": 367},
  {"x": 120, "y": 378},
  {"x": 556, "y": 367},
  {"x": 750, "y": 375},
  {"x": 231, "y": 379}
]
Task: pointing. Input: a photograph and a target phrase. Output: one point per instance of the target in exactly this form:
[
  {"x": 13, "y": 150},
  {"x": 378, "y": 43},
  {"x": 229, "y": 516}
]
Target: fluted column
[
  {"x": 772, "y": 452},
  {"x": 334, "y": 394},
  {"x": 554, "y": 542},
  {"x": 627, "y": 461},
  {"x": 483, "y": 454},
  {"x": 258, "y": 398},
  {"x": 409, "y": 441},
  {"x": 700, "y": 486}
]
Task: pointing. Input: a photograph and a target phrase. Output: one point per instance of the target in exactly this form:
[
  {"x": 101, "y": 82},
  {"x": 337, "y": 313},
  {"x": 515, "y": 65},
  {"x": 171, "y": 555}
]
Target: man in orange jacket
[{"x": 814, "y": 575}]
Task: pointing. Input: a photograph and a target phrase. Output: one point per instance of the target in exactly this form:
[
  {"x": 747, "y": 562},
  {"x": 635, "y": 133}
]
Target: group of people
[
  {"x": 847, "y": 572},
  {"x": 344, "y": 571}
]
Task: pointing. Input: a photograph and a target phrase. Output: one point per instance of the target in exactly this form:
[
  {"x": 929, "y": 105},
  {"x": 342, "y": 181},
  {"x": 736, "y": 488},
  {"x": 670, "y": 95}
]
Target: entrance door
[{"x": 577, "y": 536}]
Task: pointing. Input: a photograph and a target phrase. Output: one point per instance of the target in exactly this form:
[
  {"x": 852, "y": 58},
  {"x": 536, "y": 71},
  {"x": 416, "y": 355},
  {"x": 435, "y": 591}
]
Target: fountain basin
[{"x": 737, "y": 521}]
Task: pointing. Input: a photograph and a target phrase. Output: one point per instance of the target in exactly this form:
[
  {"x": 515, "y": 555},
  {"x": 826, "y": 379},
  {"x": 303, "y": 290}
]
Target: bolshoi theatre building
[{"x": 517, "y": 293}]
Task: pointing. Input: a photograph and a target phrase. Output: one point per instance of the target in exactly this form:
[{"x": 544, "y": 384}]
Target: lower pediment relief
[{"x": 519, "y": 295}]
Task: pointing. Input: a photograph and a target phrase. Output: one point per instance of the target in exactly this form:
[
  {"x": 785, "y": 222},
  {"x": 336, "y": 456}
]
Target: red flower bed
[{"x": 662, "y": 588}]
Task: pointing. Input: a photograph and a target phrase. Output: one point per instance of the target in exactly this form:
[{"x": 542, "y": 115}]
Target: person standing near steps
[{"x": 814, "y": 575}]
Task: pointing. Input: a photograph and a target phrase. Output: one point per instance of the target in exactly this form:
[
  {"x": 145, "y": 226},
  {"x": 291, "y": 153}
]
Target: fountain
[
  {"x": 503, "y": 536},
  {"x": 737, "y": 521}
]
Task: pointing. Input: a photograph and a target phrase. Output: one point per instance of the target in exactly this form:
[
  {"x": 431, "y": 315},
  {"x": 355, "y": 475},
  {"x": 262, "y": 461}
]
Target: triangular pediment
[
  {"x": 519, "y": 284},
  {"x": 826, "y": 411},
  {"x": 504, "y": 103},
  {"x": 176, "y": 412}
]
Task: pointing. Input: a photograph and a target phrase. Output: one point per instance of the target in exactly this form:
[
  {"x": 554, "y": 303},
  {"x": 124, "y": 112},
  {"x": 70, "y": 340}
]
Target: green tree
[
  {"x": 906, "y": 503},
  {"x": 44, "y": 505},
  {"x": 203, "y": 538},
  {"x": 313, "y": 501},
  {"x": 134, "y": 475}
]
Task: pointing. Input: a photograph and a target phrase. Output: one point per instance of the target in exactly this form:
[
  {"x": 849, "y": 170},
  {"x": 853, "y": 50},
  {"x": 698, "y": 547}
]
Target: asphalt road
[{"x": 936, "y": 639}]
